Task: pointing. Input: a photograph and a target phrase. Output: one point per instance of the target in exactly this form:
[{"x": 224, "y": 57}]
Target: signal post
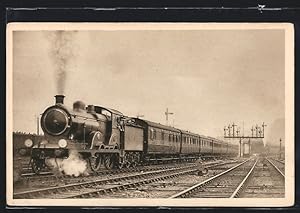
[{"x": 259, "y": 133}]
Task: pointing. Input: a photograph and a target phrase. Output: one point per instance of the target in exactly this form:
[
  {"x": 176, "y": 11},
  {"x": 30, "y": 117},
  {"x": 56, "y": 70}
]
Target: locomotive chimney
[{"x": 59, "y": 99}]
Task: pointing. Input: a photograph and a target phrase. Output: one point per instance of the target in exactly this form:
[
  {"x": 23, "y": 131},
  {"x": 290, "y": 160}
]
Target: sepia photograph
[{"x": 150, "y": 114}]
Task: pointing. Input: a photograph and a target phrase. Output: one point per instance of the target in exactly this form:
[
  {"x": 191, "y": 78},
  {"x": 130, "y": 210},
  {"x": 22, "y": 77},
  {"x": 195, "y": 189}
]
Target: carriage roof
[{"x": 159, "y": 126}]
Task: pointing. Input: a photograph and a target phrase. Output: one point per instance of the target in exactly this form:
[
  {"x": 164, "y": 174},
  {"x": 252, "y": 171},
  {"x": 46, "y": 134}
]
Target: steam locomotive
[{"x": 106, "y": 137}]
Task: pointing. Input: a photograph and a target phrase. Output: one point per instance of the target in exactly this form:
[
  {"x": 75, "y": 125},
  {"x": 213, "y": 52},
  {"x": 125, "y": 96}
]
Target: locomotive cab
[{"x": 114, "y": 125}]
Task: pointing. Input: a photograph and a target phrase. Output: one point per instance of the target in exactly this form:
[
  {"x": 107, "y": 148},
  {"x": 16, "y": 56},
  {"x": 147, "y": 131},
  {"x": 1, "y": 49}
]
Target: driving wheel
[
  {"x": 37, "y": 165},
  {"x": 109, "y": 162},
  {"x": 95, "y": 163}
]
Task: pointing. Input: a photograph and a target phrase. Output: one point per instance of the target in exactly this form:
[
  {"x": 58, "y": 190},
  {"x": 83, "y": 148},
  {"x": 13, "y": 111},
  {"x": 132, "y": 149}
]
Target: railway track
[
  {"x": 71, "y": 190},
  {"x": 95, "y": 188},
  {"x": 50, "y": 176},
  {"x": 250, "y": 178},
  {"x": 280, "y": 165},
  {"x": 226, "y": 184},
  {"x": 37, "y": 181},
  {"x": 266, "y": 182}
]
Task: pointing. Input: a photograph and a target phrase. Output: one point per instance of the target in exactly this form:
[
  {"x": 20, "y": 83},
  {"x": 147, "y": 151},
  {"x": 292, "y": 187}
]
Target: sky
[{"x": 207, "y": 78}]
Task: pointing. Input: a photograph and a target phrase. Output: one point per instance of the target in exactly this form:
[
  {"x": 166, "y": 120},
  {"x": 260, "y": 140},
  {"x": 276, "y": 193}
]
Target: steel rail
[
  {"x": 140, "y": 182},
  {"x": 277, "y": 169},
  {"x": 81, "y": 185},
  {"x": 279, "y": 161},
  {"x": 98, "y": 192},
  {"x": 240, "y": 187},
  {"x": 51, "y": 176},
  {"x": 49, "y": 190},
  {"x": 31, "y": 174},
  {"x": 203, "y": 183}
]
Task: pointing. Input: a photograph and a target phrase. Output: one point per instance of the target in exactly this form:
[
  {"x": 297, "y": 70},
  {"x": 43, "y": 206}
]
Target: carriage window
[
  {"x": 162, "y": 135},
  {"x": 151, "y": 134},
  {"x": 105, "y": 112},
  {"x": 154, "y": 133}
]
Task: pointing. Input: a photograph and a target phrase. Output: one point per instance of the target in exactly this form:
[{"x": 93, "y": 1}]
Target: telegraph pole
[{"x": 167, "y": 113}]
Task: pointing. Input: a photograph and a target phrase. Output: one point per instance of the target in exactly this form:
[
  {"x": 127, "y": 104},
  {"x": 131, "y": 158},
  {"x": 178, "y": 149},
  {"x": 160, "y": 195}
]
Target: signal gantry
[{"x": 256, "y": 133}]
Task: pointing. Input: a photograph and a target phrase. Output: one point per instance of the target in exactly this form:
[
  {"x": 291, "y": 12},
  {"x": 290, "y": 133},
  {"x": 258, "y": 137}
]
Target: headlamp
[
  {"x": 62, "y": 143},
  {"x": 28, "y": 143}
]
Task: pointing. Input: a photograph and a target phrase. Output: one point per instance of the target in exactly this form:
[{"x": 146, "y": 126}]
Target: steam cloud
[
  {"x": 62, "y": 53},
  {"x": 74, "y": 165}
]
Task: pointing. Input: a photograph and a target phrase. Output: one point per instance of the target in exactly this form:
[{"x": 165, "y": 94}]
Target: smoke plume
[
  {"x": 74, "y": 165},
  {"x": 62, "y": 53}
]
